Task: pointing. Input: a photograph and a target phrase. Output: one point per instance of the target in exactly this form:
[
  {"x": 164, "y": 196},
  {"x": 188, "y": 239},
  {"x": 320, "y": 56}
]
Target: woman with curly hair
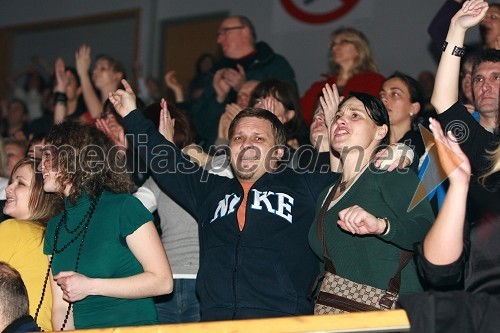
[
  {"x": 107, "y": 260},
  {"x": 353, "y": 69}
]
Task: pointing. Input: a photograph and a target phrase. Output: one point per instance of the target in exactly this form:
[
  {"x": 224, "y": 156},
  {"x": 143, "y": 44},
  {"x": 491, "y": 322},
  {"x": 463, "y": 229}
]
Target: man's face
[
  {"x": 486, "y": 87},
  {"x": 253, "y": 151},
  {"x": 232, "y": 35}
]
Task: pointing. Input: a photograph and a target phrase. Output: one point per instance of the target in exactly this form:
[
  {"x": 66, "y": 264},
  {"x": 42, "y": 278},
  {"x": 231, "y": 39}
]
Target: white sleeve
[{"x": 147, "y": 197}]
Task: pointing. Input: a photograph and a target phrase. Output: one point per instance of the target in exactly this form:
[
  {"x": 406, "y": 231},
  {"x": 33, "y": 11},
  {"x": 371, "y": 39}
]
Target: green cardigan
[{"x": 371, "y": 259}]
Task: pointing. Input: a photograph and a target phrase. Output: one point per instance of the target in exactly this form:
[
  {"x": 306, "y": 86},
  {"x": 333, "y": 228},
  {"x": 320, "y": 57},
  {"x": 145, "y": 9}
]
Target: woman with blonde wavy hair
[
  {"x": 353, "y": 69},
  {"x": 21, "y": 236}
]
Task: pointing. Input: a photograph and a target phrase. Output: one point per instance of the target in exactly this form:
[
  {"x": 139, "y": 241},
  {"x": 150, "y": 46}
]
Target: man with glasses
[{"x": 244, "y": 59}]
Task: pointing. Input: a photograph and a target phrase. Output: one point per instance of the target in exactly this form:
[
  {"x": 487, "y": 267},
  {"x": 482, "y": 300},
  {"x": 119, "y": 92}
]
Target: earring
[{"x": 411, "y": 114}]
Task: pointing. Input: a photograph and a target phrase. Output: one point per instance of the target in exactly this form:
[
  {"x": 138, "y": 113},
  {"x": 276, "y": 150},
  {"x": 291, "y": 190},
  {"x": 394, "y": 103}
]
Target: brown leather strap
[
  {"x": 320, "y": 227},
  {"x": 395, "y": 281}
]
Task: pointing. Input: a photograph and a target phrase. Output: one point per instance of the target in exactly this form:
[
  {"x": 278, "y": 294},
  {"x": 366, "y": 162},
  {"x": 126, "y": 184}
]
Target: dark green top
[
  {"x": 105, "y": 254},
  {"x": 371, "y": 259}
]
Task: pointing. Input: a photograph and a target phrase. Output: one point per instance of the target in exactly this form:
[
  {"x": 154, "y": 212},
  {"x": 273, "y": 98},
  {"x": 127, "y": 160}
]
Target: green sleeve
[
  {"x": 132, "y": 215},
  {"x": 407, "y": 227}
]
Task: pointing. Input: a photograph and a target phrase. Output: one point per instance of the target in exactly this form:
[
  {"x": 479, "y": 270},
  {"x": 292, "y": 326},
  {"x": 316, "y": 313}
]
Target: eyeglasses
[
  {"x": 224, "y": 31},
  {"x": 341, "y": 42}
]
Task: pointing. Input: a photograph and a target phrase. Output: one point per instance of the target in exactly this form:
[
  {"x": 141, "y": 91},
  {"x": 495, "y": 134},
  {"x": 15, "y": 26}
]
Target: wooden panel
[
  {"x": 377, "y": 321},
  {"x": 184, "y": 41},
  {"x": 5, "y": 42}
]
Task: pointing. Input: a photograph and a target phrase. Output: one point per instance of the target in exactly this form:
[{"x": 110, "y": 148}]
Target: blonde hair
[
  {"x": 364, "y": 62},
  {"x": 42, "y": 205},
  {"x": 495, "y": 164}
]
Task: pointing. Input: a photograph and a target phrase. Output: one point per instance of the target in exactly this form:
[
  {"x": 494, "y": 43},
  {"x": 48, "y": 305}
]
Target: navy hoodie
[{"x": 265, "y": 270}]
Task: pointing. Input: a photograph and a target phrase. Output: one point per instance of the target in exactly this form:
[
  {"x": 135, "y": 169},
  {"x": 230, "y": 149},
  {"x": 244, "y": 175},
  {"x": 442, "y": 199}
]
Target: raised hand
[
  {"x": 172, "y": 82},
  {"x": 124, "y": 101},
  {"x": 60, "y": 73},
  {"x": 329, "y": 101},
  {"x": 471, "y": 13},
  {"x": 82, "y": 58},
  {"x": 267, "y": 103},
  {"x": 117, "y": 136},
  {"x": 167, "y": 124},
  {"x": 453, "y": 160},
  {"x": 232, "y": 109}
]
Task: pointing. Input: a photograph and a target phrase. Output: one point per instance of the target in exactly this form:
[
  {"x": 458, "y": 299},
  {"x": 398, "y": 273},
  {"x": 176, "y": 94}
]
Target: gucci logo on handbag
[{"x": 340, "y": 295}]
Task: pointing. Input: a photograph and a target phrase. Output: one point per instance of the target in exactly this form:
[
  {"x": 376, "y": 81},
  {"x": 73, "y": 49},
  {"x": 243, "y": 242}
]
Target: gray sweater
[{"x": 179, "y": 229}]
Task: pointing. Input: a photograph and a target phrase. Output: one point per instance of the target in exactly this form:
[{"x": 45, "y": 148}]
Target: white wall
[{"x": 395, "y": 28}]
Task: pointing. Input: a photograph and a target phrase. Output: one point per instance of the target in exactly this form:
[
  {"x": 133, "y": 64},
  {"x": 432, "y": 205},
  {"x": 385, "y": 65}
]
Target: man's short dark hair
[
  {"x": 276, "y": 125},
  {"x": 245, "y": 21},
  {"x": 14, "y": 301},
  {"x": 489, "y": 55}
]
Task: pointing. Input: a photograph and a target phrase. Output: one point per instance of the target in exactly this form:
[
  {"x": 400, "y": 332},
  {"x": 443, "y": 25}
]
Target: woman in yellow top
[{"x": 21, "y": 238}]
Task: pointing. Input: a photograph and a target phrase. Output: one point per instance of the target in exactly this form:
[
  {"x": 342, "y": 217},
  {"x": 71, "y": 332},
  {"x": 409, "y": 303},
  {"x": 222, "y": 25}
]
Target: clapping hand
[
  {"x": 167, "y": 124},
  {"x": 330, "y": 101}
]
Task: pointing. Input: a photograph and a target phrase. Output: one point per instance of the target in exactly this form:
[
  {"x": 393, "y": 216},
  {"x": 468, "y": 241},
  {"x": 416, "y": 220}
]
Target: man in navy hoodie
[{"x": 255, "y": 260}]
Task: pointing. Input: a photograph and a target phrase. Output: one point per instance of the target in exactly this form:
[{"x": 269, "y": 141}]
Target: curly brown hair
[{"x": 86, "y": 159}]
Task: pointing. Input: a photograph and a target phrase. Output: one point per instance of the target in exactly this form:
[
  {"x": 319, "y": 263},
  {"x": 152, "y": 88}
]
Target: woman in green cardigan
[{"x": 370, "y": 218}]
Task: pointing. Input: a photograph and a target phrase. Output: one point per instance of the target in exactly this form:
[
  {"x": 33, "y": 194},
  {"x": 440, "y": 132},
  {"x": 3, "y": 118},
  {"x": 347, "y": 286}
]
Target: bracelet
[
  {"x": 457, "y": 50},
  {"x": 387, "y": 225},
  {"x": 60, "y": 97},
  {"x": 445, "y": 44}
]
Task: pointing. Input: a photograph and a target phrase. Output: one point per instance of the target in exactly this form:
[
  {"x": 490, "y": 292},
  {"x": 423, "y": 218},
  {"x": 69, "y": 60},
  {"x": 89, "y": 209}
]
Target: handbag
[{"x": 341, "y": 295}]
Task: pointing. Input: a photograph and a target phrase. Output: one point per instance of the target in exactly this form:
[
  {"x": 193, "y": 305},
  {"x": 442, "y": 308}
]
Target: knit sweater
[{"x": 372, "y": 259}]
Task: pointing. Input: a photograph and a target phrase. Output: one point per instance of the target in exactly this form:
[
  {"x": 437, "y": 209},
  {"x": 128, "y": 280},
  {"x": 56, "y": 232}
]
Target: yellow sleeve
[{"x": 9, "y": 239}]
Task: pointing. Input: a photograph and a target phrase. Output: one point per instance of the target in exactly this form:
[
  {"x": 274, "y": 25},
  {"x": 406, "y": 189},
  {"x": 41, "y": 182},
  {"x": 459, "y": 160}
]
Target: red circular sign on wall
[{"x": 302, "y": 14}]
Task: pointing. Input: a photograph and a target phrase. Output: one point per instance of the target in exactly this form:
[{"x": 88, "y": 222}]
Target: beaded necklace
[{"x": 82, "y": 229}]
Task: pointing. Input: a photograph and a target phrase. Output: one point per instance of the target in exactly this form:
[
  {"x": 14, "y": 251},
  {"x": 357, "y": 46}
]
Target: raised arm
[
  {"x": 445, "y": 92},
  {"x": 94, "y": 104},
  {"x": 124, "y": 101},
  {"x": 329, "y": 102},
  {"x": 443, "y": 244},
  {"x": 60, "y": 102}
]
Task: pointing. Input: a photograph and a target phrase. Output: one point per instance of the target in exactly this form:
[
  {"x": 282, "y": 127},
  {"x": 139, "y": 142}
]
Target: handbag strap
[
  {"x": 404, "y": 259},
  {"x": 320, "y": 227}
]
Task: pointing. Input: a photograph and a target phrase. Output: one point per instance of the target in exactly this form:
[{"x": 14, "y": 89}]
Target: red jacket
[{"x": 367, "y": 82}]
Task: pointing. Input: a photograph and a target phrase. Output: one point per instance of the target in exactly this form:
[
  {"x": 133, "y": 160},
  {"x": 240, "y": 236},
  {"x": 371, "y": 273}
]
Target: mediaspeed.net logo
[{"x": 432, "y": 174}]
